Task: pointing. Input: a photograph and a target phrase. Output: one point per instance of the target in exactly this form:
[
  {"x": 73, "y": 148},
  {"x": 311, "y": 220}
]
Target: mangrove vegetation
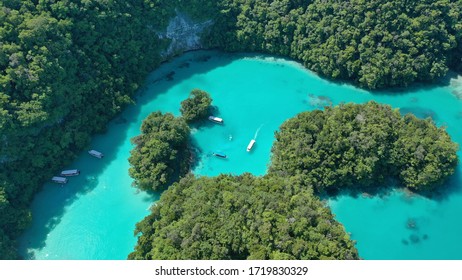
[
  {"x": 361, "y": 146},
  {"x": 68, "y": 67},
  {"x": 279, "y": 216},
  {"x": 241, "y": 217},
  {"x": 161, "y": 154},
  {"x": 196, "y": 107},
  {"x": 374, "y": 43}
]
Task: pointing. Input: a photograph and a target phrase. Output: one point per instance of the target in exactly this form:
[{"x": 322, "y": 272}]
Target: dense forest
[
  {"x": 360, "y": 146},
  {"x": 374, "y": 43},
  {"x": 68, "y": 67},
  {"x": 242, "y": 217},
  {"x": 161, "y": 155}
]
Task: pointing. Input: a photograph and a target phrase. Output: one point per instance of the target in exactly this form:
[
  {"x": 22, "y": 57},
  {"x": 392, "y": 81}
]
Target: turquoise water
[{"x": 93, "y": 216}]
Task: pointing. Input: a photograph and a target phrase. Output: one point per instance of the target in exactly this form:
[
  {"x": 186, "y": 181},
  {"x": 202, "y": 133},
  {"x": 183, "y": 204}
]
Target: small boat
[
  {"x": 250, "y": 146},
  {"x": 71, "y": 172},
  {"x": 96, "y": 154},
  {"x": 220, "y": 155},
  {"x": 59, "y": 180},
  {"x": 216, "y": 119}
]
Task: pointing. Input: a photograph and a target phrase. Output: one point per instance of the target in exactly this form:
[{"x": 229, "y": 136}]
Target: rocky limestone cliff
[
  {"x": 184, "y": 34},
  {"x": 456, "y": 85}
]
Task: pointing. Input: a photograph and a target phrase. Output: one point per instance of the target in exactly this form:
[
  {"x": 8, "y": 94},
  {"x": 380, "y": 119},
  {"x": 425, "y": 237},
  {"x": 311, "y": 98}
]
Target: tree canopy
[
  {"x": 353, "y": 145},
  {"x": 196, "y": 107},
  {"x": 241, "y": 217},
  {"x": 374, "y": 43},
  {"x": 68, "y": 67},
  {"x": 161, "y": 154}
]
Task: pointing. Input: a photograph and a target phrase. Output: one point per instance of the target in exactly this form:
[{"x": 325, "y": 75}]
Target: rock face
[
  {"x": 184, "y": 34},
  {"x": 456, "y": 85}
]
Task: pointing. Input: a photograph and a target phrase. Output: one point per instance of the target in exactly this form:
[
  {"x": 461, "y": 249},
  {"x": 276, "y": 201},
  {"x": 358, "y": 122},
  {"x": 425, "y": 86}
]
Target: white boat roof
[
  {"x": 215, "y": 118},
  {"x": 95, "y": 152},
  {"x": 70, "y": 171},
  {"x": 251, "y": 144},
  {"x": 59, "y": 179}
]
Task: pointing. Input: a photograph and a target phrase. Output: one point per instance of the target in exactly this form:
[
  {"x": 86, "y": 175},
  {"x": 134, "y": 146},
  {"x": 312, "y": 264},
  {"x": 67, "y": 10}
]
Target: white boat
[
  {"x": 251, "y": 144},
  {"x": 216, "y": 119},
  {"x": 59, "y": 180},
  {"x": 96, "y": 154},
  {"x": 70, "y": 172}
]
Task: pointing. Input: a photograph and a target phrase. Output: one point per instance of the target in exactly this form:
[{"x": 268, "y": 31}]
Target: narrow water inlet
[{"x": 94, "y": 215}]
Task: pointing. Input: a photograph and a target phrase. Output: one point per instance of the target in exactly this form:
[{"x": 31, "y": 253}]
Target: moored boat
[
  {"x": 59, "y": 180},
  {"x": 70, "y": 172},
  {"x": 216, "y": 119},
  {"x": 251, "y": 144},
  {"x": 96, "y": 153},
  {"x": 220, "y": 155}
]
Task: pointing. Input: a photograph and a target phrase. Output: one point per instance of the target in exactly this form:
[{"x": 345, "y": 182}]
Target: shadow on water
[
  {"x": 178, "y": 70},
  {"x": 430, "y": 85},
  {"x": 441, "y": 82},
  {"x": 358, "y": 191},
  {"x": 50, "y": 204},
  {"x": 205, "y": 56},
  {"x": 196, "y": 152},
  {"x": 449, "y": 188}
]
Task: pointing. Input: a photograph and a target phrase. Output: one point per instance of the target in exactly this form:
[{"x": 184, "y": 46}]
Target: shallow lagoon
[{"x": 93, "y": 216}]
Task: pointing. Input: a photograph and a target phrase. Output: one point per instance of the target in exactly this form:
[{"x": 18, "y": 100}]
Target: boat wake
[{"x": 256, "y": 132}]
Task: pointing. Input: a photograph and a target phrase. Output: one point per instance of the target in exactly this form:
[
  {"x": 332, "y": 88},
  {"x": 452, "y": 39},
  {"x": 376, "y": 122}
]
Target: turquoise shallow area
[{"x": 93, "y": 216}]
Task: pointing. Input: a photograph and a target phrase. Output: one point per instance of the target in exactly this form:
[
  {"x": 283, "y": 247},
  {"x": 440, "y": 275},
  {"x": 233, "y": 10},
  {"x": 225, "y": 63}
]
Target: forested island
[
  {"x": 348, "y": 147},
  {"x": 68, "y": 67},
  {"x": 361, "y": 146},
  {"x": 161, "y": 154},
  {"x": 196, "y": 107},
  {"x": 241, "y": 217}
]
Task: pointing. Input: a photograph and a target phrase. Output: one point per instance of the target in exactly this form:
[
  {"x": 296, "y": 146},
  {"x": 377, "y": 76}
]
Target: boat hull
[
  {"x": 216, "y": 120},
  {"x": 70, "y": 173},
  {"x": 251, "y": 144},
  {"x": 59, "y": 180},
  {"x": 220, "y": 155},
  {"x": 96, "y": 154}
]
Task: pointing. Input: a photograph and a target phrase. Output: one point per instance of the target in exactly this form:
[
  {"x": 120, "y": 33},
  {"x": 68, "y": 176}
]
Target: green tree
[
  {"x": 424, "y": 155},
  {"x": 197, "y": 106},
  {"x": 161, "y": 154}
]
